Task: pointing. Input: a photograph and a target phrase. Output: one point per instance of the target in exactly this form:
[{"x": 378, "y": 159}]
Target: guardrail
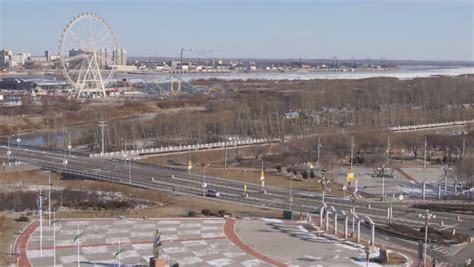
[
  {"x": 38, "y": 148},
  {"x": 430, "y": 125},
  {"x": 193, "y": 147}
]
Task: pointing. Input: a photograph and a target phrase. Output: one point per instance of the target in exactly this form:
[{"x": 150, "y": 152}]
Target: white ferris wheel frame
[{"x": 93, "y": 72}]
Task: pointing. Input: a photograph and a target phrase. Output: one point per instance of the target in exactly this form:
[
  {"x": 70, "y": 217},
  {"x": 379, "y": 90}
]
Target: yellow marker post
[
  {"x": 190, "y": 166},
  {"x": 350, "y": 177}
]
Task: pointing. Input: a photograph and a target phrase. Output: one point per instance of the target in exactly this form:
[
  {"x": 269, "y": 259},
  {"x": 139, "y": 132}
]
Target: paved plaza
[{"x": 189, "y": 242}]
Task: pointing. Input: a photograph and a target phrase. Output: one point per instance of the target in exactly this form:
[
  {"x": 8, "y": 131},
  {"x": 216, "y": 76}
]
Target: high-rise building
[
  {"x": 120, "y": 56},
  {"x": 47, "y": 55},
  {"x": 105, "y": 57},
  {"x": 5, "y": 58}
]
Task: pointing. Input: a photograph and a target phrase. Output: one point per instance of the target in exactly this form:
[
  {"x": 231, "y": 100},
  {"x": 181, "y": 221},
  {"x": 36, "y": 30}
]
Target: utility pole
[
  {"x": 424, "y": 157},
  {"x": 102, "y": 125}
]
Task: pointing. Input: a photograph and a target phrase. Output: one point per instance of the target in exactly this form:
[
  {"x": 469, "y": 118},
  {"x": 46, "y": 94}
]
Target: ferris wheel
[{"x": 88, "y": 54}]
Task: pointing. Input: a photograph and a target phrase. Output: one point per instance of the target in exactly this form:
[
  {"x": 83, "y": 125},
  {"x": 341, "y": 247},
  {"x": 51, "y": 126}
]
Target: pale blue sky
[{"x": 403, "y": 29}]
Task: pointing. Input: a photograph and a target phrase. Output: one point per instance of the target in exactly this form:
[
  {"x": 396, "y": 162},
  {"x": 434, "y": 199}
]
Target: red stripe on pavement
[
  {"x": 406, "y": 175},
  {"x": 21, "y": 245},
  {"x": 229, "y": 230},
  {"x": 138, "y": 242}
]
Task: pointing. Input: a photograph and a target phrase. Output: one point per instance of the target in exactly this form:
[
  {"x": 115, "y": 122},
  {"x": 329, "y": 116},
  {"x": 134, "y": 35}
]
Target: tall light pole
[
  {"x": 54, "y": 224},
  {"x": 78, "y": 239},
  {"x": 383, "y": 182},
  {"x": 204, "y": 184},
  {"x": 427, "y": 216},
  {"x": 118, "y": 254},
  {"x": 41, "y": 198},
  {"x": 102, "y": 125}
]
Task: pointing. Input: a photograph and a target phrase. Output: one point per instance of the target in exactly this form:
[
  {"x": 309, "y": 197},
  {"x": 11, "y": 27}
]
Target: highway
[{"x": 177, "y": 181}]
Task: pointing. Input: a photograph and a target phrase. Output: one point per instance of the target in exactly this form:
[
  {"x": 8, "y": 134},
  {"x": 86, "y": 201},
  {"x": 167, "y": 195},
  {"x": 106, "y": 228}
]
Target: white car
[{"x": 212, "y": 193}]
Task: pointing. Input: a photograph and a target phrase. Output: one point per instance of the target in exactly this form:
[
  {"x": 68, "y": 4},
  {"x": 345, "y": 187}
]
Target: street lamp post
[
  {"x": 354, "y": 196},
  {"x": 262, "y": 176},
  {"x": 324, "y": 182},
  {"x": 427, "y": 216}
]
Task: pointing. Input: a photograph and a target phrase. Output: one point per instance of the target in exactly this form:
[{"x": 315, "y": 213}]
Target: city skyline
[{"x": 422, "y": 30}]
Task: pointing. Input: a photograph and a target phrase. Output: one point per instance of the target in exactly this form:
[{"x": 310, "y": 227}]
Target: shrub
[
  {"x": 221, "y": 213},
  {"x": 23, "y": 219},
  {"x": 304, "y": 174},
  {"x": 278, "y": 168},
  {"x": 206, "y": 212},
  {"x": 191, "y": 213}
]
